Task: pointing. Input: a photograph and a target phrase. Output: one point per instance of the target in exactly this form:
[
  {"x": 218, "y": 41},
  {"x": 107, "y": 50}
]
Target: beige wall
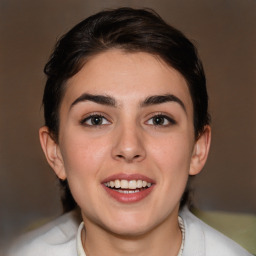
[{"x": 225, "y": 32}]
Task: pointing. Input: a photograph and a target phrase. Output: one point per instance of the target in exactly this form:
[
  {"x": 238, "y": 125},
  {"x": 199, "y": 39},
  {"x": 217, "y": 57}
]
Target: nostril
[{"x": 127, "y": 158}]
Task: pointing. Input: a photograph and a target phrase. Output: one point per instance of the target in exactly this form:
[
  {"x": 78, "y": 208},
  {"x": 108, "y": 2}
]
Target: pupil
[
  {"x": 158, "y": 120},
  {"x": 96, "y": 120}
]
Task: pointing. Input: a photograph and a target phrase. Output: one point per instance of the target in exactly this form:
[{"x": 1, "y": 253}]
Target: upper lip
[{"x": 125, "y": 176}]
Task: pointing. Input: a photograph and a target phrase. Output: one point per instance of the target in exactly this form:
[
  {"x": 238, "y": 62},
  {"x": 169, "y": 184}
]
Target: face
[{"x": 126, "y": 141}]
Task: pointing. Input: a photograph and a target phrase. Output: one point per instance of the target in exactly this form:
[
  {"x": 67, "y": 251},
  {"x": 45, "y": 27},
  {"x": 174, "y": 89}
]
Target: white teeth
[
  {"x": 132, "y": 184},
  {"x": 139, "y": 183},
  {"x": 125, "y": 184},
  {"x": 128, "y": 191},
  {"x": 117, "y": 184}
]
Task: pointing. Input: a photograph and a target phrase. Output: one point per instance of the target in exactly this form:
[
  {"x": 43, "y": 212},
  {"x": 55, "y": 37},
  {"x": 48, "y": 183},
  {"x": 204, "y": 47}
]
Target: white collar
[
  {"x": 182, "y": 228},
  {"x": 79, "y": 245}
]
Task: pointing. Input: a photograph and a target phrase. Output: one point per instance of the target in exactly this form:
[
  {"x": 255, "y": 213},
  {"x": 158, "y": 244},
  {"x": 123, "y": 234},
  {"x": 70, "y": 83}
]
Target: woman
[{"x": 126, "y": 125}]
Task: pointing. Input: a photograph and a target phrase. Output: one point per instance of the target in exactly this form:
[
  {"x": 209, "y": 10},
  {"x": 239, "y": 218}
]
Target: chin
[
  {"x": 130, "y": 230},
  {"x": 131, "y": 226}
]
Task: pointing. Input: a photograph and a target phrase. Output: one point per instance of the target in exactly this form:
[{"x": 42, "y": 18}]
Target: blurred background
[{"x": 225, "y": 34}]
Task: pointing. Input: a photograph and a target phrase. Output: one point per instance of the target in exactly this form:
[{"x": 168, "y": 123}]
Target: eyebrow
[
  {"x": 100, "y": 99},
  {"x": 110, "y": 101},
  {"x": 159, "y": 99}
]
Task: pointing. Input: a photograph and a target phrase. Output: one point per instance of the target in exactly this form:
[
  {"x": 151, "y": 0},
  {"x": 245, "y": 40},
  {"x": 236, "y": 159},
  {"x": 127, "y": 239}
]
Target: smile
[
  {"x": 134, "y": 186},
  {"x": 128, "y": 190}
]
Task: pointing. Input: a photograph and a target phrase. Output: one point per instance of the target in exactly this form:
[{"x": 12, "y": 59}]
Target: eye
[
  {"x": 95, "y": 120},
  {"x": 161, "y": 120}
]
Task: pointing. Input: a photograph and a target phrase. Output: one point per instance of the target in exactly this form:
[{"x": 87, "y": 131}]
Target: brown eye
[
  {"x": 95, "y": 120},
  {"x": 158, "y": 120},
  {"x": 161, "y": 120}
]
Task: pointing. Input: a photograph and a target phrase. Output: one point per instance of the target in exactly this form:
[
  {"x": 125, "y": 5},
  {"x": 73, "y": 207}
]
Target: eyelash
[
  {"x": 170, "y": 121},
  {"x": 95, "y": 115},
  {"x": 104, "y": 121}
]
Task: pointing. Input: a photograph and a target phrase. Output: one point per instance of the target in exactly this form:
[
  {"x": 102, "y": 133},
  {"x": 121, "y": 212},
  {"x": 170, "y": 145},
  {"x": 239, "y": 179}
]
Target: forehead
[{"x": 127, "y": 76}]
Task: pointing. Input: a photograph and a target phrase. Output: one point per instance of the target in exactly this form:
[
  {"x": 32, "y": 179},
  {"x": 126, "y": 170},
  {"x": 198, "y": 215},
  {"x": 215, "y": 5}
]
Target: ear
[
  {"x": 200, "y": 152},
  {"x": 52, "y": 152}
]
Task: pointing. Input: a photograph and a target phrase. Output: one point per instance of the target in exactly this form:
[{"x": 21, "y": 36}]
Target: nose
[{"x": 128, "y": 145}]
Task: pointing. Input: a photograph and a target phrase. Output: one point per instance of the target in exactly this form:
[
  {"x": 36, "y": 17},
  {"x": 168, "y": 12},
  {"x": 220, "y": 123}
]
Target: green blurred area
[{"x": 239, "y": 227}]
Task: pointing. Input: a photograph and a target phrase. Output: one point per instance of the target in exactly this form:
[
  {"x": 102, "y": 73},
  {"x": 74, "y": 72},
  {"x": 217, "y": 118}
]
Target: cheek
[
  {"x": 83, "y": 155},
  {"x": 172, "y": 158},
  {"x": 83, "y": 158},
  {"x": 173, "y": 154}
]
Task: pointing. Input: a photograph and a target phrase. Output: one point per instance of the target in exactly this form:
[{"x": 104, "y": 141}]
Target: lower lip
[{"x": 128, "y": 198}]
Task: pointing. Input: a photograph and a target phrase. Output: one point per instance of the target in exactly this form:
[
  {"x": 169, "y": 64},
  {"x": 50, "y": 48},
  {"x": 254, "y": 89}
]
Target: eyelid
[
  {"x": 169, "y": 118},
  {"x": 93, "y": 114}
]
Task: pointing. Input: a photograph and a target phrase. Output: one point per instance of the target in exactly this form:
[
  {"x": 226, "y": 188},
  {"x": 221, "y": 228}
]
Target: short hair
[{"x": 130, "y": 30}]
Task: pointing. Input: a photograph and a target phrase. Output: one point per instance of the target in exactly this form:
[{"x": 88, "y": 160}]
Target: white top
[{"x": 59, "y": 238}]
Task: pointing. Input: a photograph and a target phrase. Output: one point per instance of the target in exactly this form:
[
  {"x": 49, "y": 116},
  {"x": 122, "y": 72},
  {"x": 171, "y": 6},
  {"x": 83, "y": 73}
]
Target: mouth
[{"x": 128, "y": 188}]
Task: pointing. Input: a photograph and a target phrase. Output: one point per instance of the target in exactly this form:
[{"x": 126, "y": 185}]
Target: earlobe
[
  {"x": 200, "y": 152},
  {"x": 52, "y": 153}
]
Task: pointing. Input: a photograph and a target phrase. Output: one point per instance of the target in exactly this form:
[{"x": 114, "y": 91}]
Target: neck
[{"x": 164, "y": 239}]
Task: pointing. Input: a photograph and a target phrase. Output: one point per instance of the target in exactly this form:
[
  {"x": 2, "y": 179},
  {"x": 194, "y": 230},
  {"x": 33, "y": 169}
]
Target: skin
[{"x": 127, "y": 141}]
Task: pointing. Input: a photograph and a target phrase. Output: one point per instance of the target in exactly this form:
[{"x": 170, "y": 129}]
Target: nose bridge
[{"x": 128, "y": 143}]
